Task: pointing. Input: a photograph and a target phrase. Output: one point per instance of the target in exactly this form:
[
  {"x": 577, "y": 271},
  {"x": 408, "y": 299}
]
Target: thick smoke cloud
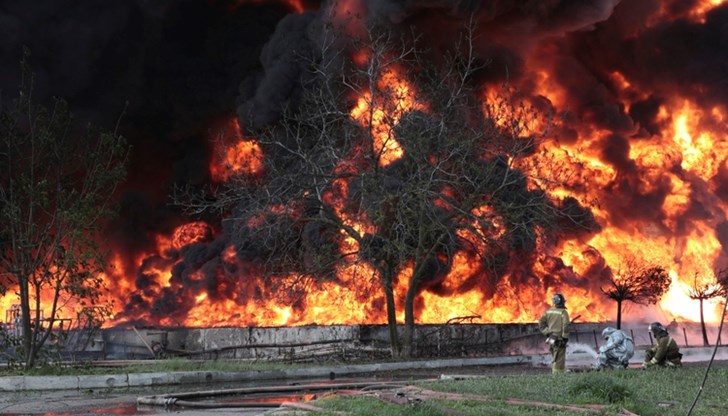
[
  {"x": 171, "y": 71},
  {"x": 166, "y": 70},
  {"x": 676, "y": 57},
  {"x": 542, "y": 16},
  {"x": 680, "y": 56},
  {"x": 511, "y": 27},
  {"x": 265, "y": 93}
]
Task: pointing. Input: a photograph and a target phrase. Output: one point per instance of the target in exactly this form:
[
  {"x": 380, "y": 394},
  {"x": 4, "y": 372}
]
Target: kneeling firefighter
[{"x": 665, "y": 352}]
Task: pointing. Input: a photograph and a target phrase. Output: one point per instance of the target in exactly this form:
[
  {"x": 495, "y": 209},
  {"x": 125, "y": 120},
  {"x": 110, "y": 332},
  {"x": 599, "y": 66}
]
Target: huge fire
[{"x": 655, "y": 186}]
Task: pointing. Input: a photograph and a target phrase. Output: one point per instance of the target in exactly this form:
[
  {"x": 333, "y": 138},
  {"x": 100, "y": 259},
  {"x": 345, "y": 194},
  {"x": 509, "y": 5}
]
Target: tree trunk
[
  {"x": 35, "y": 334},
  {"x": 619, "y": 314},
  {"x": 391, "y": 317},
  {"x": 409, "y": 320},
  {"x": 702, "y": 325},
  {"x": 25, "y": 319}
]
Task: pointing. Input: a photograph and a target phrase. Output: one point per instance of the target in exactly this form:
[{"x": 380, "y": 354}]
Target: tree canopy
[
  {"x": 637, "y": 282},
  {"x": 704, "y": 288}
]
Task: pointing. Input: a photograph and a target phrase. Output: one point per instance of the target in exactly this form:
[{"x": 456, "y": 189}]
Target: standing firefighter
[
  {"x": 665, "y": 352},
  {"x": 554, "y": 324},
  {"x": 617, "y": 351}
]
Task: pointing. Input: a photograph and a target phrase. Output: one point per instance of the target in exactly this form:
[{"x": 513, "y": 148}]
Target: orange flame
[
  {"x": 235, "y": 155},
  {"x": 382, "y": 112}
]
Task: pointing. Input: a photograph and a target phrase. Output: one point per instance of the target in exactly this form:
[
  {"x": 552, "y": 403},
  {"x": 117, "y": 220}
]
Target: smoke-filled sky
[
  {"x": 176, "y": 63},
  {"x": 178, "y": 69}
]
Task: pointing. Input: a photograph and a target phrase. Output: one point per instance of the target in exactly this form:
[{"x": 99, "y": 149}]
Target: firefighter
[
  {"x": 617, "y": 351},
  {"x": 665, "y": 352},
  {"x": 554, "y": 324}
]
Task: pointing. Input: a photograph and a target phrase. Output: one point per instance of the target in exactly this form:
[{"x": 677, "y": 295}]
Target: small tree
[
  {"x": 55, "y": 191},
  {"x": 702, "y": 290},
  {"x": 637, "y": 283}
]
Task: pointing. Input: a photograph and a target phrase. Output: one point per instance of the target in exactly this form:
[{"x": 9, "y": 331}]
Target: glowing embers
[{"x": 234, "y": 155}]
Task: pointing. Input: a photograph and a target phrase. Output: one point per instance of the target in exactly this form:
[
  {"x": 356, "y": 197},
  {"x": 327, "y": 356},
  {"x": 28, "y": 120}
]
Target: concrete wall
[
  {"x": 358, "y": 341},
  {"x": 298, "y": 343}
]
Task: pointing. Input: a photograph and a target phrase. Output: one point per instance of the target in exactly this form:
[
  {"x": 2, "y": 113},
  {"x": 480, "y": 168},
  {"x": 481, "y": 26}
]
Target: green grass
[{"x": 646, "y": 393}]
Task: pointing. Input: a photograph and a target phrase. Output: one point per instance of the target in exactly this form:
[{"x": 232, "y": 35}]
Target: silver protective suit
[{"x": 617, "y": 351}]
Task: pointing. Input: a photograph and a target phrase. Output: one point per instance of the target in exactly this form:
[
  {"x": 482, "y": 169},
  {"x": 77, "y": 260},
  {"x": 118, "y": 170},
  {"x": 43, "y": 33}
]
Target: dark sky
[{"x": 175, "y": 65}]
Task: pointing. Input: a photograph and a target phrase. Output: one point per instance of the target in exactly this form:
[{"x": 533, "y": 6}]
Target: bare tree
[
  {"x": 702, "y": 290},
  {"x": 638, "y": 283},
  {"x": 55, "y": 188},
  {"x": 395, "y": 163}
]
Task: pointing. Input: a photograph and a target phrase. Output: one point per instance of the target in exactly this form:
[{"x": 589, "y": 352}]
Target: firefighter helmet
[
  {"x": 558, "y": 300},
  {"x": 606, "y": 332},
  {"x": 656, "y": 328}
]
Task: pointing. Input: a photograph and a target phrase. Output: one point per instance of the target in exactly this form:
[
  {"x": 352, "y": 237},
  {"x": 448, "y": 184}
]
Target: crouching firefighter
[
  {"x": 554, "y": 324},
  {"x": 665, "y": 352},
  {"x": 617, "y": 351}
]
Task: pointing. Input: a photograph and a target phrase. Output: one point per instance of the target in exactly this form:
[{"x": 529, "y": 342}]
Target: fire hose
[{"x": 180, "y": 399}]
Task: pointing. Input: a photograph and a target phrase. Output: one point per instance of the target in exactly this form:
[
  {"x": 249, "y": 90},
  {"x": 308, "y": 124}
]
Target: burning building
[{"x": 638, "y": 88}]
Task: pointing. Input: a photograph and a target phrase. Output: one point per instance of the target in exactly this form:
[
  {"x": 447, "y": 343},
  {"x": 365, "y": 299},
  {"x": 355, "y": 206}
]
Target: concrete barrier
[{"x": 21, "y": 383}]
